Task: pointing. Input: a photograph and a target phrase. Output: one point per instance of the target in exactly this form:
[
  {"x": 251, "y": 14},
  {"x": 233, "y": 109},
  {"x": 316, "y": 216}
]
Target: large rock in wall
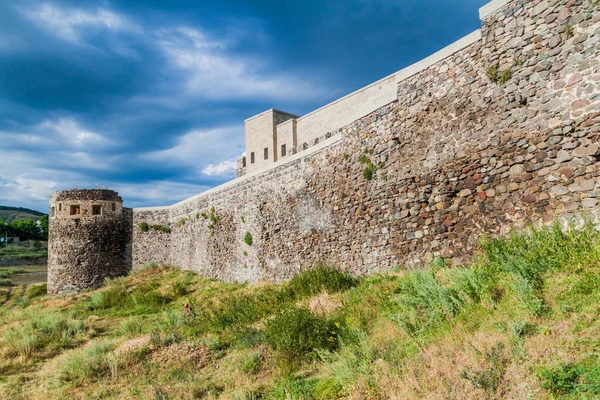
[{"x": 502, "y": 133}]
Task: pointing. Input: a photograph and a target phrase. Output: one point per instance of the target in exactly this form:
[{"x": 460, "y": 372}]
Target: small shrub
[
  {"x": 472, "y": 283},
  {"x": 182, "y": 222},
  {"x": 568, "y": 32},
  {"x": 131, "y": 327},
  {"x": 292, "y": 388},
  {"x": 214, "y": 220},
  {"x": 505, "y": 76},
  {"x": 368, "y": 172},
  {"x": 251, "y": 364},
  {"x": 238, "y": 310},
  {"x": 354, "y": 359},
  {"x": 248, "y": 238},
  {"x": 86, "y": 364},
  {"x": 180, "y": 288},
  {"x": 161, "y": 228},
  {"x": 423, "y": 301},
  {"x": 111, "y": 297},
  {"x": 560, "y": 379},
  {"x": 523, "y": 329},
  {"x": 145, "y": 267},
  {"x": 492, "y": 73},
  {"x": 321, "y": 279},
  {"x": 490, "y": 377},
  {"x": 439, "y": 263},
  {"x": 41, "y": 330},
  {"x": 346, "y": 156},
  {"x": 498, "y": 77},
  {"x": 247, "y": 338},
  {"x": 296, "y": 333},
  {"x": 144, "y": 227},
  {"x": 37, "y": 291},
  {"x": 145, "y": 296},
  {"x": 364, "y": 159},
  {"x": 328, "y": 388}
]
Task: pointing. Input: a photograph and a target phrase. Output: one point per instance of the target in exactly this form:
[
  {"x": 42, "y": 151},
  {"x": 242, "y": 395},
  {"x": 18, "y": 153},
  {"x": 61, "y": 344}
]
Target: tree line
[{"x": 25, "y": 229}]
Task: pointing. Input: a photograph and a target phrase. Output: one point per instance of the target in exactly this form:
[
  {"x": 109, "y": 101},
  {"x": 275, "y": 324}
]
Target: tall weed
[
  {"x": 423, "y": 301},
  {"x": 41, "y": 330},
  {"x": 321, "y": 279},
  {"x": 86, "y": 364},
  {"x": 296, "y": 333}
]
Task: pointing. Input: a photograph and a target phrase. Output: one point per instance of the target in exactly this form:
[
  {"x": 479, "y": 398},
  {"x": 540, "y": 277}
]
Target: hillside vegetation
[
  {"x": 521, "y": 322},
  {"x": 10, "y": 214}
]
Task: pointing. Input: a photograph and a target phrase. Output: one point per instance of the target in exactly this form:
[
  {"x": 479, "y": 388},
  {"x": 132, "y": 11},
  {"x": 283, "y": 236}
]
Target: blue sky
[{"x": 149, "y": 97}]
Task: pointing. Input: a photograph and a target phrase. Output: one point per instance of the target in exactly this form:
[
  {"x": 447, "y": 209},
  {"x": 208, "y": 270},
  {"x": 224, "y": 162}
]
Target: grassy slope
[
  {"x": 521, "y": 322},
  {"x": 10, "y": 214}
]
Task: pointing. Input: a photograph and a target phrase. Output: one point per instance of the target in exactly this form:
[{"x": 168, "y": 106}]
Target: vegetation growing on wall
[
  {"x": 568, "y": 32},
  {"x": 370, "y": 168},
  {"x": 145, "y": 227},
  {"x": 499, "y": 77},
  {"x": 248, "y": 238},
  {"x": 214, "y": 220},
  {"x": 183, "y": 220}
]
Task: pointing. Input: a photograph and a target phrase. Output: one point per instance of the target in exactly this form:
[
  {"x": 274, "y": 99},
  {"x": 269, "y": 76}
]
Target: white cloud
[
  {"x": 199, "y": 148},
  {"x": 207, "y": 66},
  {"x": 72, "y": 134},
  {"x": 213, "y": 72},
  {"x": 66, "y": 24},
  {"x": 26, "y": 180},
  {"x": 226, "y": 167}
]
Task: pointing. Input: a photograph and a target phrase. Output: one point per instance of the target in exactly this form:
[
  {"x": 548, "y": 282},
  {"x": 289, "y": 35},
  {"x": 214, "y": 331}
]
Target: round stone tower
[{"x": 89, "y": 239}]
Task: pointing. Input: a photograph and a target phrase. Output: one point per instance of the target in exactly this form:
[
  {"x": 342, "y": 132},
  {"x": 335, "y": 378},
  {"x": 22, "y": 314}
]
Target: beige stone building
[{"x": 263, "y": 144}]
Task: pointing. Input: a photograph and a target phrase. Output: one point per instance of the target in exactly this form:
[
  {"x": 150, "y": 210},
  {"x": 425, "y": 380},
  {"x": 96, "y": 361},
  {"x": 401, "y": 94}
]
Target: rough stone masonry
[
  {"x": 89, "y": 239},
  {"x": 498, "y": 134}
]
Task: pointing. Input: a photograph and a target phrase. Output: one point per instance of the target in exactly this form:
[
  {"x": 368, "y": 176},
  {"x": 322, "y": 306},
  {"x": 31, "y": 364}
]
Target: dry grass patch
[{"x": 322, "y": 304}]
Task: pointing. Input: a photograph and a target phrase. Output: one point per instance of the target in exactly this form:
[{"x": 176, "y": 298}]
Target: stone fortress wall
[{"x": 498, "y": 129}]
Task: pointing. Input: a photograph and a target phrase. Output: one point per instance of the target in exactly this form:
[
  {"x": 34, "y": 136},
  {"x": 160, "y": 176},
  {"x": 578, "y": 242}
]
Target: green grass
[
  {"x": 42, "y": 330},
  {"x": 89, "y": 363},
  {"x": 296, "y": 333},
  {"x": 321, "y": 279},
  {"x": 520, "y": 321},
  {"x": 8, "y": 272},
  {"x": 22, "y": 253}
]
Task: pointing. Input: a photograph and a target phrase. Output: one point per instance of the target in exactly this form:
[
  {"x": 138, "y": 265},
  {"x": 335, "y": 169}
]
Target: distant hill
[{"x": 9, "y": 214}]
